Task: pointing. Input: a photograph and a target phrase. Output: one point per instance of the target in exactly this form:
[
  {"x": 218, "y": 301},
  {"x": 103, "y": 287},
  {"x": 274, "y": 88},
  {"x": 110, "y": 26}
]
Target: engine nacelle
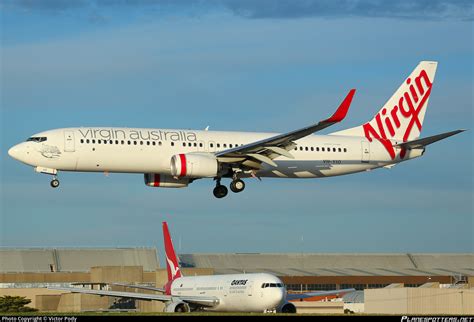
[
  {"x": 177, "y": 306},
  {"x": 194, "y": 165},
  {"x": 287, "y": 307},
  {"x": 164, "y": 181}
]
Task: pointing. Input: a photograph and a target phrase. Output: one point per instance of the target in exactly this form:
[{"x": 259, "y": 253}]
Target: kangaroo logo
[{"x": 172, "y": 266}]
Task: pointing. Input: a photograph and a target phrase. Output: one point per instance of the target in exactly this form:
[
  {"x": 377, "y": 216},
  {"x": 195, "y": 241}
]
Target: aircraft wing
[
  {"x": 300, "y": 296},
  {"x": 201, "y": 300},
  {"x": 141, "y": 287},
  {"x": 253, "y": 154},
  {"x": 421, "y": 143}
]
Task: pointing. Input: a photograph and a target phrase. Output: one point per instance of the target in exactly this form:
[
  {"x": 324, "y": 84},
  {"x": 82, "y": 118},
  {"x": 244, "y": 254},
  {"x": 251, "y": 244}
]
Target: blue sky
[{"x": 237, "y": 65}]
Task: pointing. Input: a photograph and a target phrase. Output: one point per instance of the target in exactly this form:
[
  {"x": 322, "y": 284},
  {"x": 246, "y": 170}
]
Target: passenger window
[
  {"x": 345, "y": 150},
  {"x": 301, "y": 148},
  {"x": 218, "y": 145},
  {"x": 154, "y": 143},
  {"x": 184, "y": 143},
  {"x": 159, "y": 143},
  {"x": 87, "y": 141},
  {"x": 225, "y": 145},
  {"x": 195, "y": 144},
  {"x": 82, "y": 140},
  {"x": 230, "y": 145},
  {"x": 141, "y": 142},
  {"x": 93, "y": 141},
  {"x": 134, "y": 142},
  {"x": 317, "y": 149},
  {"x": 322, "y": 149},
  {"x": 116, "y": 142},
  {"x": 211, "y": 145},
  {"x": 122, "y": 142},
  {"x": 339, "y": 149},
  {"x": 172, "y": 143},
  {"x": 306, "y": 148},
  {"x": 147, "y": 142},
  {"x": 312, "y": 149},
  {"x": 333, "y": 149},
  {"x": 111, "y": 142},
  {"x": 200, "y": 145}
]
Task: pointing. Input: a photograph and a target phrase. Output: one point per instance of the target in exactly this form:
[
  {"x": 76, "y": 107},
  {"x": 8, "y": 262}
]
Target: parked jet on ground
[
  {"x": 258, "y": 292},
  {"x": 175, "y": 158}
]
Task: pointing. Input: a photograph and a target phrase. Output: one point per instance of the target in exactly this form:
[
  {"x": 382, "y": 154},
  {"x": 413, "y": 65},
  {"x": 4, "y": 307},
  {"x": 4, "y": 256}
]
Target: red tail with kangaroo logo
[
  {"x": 401, "y": 117},
  {"x": 172, "y": 264}
]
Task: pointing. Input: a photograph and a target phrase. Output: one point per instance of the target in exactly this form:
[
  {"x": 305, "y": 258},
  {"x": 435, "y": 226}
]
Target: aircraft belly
[{"x": 123, "y": 162}]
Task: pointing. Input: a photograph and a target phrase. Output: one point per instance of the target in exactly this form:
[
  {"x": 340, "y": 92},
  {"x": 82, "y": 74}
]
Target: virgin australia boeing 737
[{"x": 175, "y": 158}]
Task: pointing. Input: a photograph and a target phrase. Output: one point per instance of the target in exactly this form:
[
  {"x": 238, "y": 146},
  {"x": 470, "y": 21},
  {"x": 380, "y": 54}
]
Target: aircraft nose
[{"x": 13, "y": 152}]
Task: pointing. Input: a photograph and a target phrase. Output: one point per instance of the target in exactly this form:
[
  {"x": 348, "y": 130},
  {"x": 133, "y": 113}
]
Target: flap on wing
[
  {"x": 141, "y": 287},
  {"x": 279, "y": 145},
  {"x": 420, "y": 143},
  {"x": 201, "y": 300},
  {"x": 139, "y": 296}
]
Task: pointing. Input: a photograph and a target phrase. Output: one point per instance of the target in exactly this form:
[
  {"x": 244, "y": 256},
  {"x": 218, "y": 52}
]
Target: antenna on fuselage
[{"x": 207, "y": 128}]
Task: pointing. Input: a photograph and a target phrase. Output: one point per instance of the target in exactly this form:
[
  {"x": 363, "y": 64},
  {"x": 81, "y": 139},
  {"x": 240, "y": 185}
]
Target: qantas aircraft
[
  {"x": 175, "y": 158},
  {"x": 258, "y": 292}
]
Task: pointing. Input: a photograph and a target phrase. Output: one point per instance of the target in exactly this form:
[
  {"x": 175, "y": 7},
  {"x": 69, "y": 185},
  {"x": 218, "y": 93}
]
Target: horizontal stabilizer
[{"x": 421, "y": 143}]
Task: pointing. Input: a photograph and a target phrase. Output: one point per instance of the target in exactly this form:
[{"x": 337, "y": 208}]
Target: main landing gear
[
  {"x": 220, "y": 191},
  {"x": 237, "y": 186},
  {"x": 54, "y": 183}
]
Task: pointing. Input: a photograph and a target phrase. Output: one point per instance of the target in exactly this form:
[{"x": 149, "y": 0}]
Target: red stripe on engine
[
  {"x": 156, "y": 180},
  {"x": 182, "y": 158}
]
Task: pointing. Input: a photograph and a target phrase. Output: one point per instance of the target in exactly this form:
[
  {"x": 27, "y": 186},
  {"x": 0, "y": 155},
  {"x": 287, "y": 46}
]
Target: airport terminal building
[{"x": 386, "y": 282}]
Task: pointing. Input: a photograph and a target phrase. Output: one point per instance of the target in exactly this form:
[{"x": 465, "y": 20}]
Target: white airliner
[
  {"x": 258, "y": 292},
  {"x": 175, "y": 158}
]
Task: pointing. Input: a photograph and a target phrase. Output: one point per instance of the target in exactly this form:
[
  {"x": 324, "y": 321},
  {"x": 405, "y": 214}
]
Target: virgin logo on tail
[{"x": 409, "y": 106}]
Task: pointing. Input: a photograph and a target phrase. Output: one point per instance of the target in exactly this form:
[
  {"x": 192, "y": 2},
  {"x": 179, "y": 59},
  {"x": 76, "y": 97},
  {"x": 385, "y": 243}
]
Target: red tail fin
[{"x": 172, "y": 264}]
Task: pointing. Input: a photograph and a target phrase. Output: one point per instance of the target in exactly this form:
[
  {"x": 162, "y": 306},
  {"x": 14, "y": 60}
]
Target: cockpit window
[
  {"x": 37, "y": 139},
  {"x": 265, "y": 285}
]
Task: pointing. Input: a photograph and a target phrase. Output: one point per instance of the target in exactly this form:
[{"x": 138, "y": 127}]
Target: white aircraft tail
[{"x": 401, "y": 117}]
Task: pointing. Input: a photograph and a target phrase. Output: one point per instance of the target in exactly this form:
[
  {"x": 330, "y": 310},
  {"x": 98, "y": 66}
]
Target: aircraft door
[
  {"x": 69, "y": 145},
  {"x": 365, "y": 151},
  {"x": 249, "y": 288}
]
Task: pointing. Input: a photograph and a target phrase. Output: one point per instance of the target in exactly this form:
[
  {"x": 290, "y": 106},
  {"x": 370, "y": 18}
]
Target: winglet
[
  {"x": 341, "y": 111},
  {"x": 172, "y": 265}
]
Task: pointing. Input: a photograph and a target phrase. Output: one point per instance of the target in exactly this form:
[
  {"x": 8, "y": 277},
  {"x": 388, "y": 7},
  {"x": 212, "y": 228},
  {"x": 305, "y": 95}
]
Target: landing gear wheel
[
  {"x": 220, "y": 191},
  {"x": 237, "y": 186},
  {"x": 54, "y": 183}
]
